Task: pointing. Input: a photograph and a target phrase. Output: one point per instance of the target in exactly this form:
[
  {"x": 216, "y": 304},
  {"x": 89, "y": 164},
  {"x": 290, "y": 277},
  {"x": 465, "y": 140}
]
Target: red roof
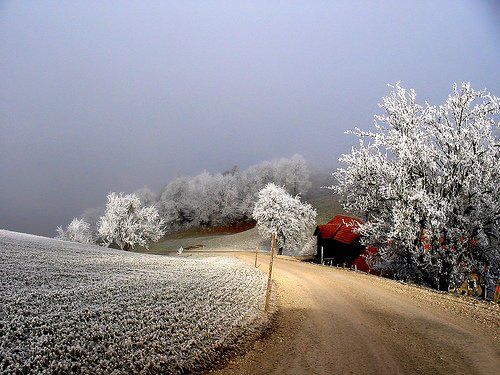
[
  {"x": 360, "y": 262},
  {"x": 339, "y": 229}
]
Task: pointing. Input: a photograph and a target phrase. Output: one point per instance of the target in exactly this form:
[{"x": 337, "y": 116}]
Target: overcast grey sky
[{"x": 100, "y": 96}]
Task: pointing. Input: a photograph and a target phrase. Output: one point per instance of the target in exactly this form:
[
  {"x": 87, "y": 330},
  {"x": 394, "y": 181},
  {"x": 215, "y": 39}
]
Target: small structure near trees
[{"x": 339, "y": 244}]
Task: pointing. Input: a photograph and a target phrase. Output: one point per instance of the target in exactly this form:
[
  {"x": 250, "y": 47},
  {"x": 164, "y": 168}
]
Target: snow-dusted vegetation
[
  {"x": 127, "y": 223},
  {"x": 224, "y": 198},
  {"x": 208, "y": 199},
  {"x": 426, "y": 180},
  {"x": 77, "y": 231},
  {"x": 291, "y": 220},
  {"x": 74, "y": 308}
]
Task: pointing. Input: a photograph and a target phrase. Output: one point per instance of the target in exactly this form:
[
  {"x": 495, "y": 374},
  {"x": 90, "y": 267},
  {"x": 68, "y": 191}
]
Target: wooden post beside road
[{"x": 270, "y": 280}]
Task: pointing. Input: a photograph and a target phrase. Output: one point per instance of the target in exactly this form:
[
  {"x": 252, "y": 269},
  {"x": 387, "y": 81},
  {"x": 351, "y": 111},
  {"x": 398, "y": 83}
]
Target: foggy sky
[{"x": 111, "y": 96}]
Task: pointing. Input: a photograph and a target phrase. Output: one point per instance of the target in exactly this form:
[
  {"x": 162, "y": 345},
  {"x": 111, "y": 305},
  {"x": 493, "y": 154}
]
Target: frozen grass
[{"x": 71, "y": 308}]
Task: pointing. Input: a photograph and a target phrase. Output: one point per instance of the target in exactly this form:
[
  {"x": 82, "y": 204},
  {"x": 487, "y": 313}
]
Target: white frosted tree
[
  {"x": 203, "y": 192},
  {"x": 92, "y": 216},
  {"x": 426, "y": 180},
  {"x": 76, "y": 231},
  {"x": 249, "y": 186},
  {"x": 292, "y": 220},
  {"x": 146, "y": 196},
  {"x": 174, "y": 203},
  {"x": 228, "y": 199},
  {"x": 210, "y": 199},
  {"x": 128, "y": 224},
  {"x": 293, "y": 174}
]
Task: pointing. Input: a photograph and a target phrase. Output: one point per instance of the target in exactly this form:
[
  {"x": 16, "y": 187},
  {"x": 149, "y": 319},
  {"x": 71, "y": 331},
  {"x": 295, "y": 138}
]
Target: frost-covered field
[{"x": 67, "y": 307}]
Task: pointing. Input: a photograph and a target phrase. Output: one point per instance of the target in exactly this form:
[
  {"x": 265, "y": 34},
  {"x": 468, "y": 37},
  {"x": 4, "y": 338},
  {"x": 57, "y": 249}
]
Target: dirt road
[{"x": 334, "y": 321}]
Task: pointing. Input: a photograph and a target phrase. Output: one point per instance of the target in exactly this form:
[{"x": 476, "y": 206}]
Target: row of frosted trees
[
  {"x": 208, "y": 199},
  {"x": 225, "y": 198}
]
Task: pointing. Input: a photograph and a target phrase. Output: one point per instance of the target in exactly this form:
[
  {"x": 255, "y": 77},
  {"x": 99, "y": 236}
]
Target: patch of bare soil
[{"x": 334, "y": 321}]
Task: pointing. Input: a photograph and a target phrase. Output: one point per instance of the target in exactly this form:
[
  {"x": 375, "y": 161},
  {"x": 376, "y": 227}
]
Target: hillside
[
  {"x": 326, "y": 205},
  {"x": 71, "y": 308}
]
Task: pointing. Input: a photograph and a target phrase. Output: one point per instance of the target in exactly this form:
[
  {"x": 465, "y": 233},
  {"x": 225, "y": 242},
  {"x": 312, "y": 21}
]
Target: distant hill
[
  {"x": 327, "y": 207},
  {"x": 319, "y": 180},
  {"x": 243, "y": 236}
]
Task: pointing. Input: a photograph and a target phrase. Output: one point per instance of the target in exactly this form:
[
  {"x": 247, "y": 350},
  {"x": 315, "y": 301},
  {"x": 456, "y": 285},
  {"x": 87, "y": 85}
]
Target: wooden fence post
[
  {"x": 270, "y": 280},
  {"x": 256, "y": 250}
]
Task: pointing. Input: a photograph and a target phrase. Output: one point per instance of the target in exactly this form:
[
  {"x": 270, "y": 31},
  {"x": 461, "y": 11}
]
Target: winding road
[{"x": 335, "y": 321}]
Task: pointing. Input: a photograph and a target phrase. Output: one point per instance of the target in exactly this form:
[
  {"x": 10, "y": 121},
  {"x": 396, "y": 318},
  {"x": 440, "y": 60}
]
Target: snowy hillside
[{"x": 68, "y": 307}]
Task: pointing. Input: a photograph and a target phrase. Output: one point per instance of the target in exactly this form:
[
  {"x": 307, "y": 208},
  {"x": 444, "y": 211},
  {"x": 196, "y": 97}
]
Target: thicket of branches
[
  {"x": 426, "y": 180},
  {"x": 76, "y": 231}
]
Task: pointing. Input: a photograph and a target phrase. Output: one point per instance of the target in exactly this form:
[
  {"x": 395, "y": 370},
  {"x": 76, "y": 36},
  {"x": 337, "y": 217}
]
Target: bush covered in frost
[
  {"x": 77, "y": 231},
  {"x": 74, "y": 308}
]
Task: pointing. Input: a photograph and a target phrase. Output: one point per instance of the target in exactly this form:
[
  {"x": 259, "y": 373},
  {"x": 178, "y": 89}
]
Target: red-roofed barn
[{"x": 338, "y": 243}]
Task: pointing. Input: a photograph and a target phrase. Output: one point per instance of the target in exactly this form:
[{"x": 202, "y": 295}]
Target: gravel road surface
[{"x": 334, "y": 321}]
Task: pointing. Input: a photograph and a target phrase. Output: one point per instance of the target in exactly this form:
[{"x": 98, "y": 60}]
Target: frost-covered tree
[
  {"x": 128, "y": 224},
  {"x": 174, "y": 203},
  {"x": 92, "y": 216},
  {"x": 204, "y": 192},
  {"x": 426, "y": 180},
  {"x": 215, "y": 199},
  {"x": 210, "y": 199},
  {"x": 292, "y": 220},
  {"x": 146, "y": 196},
  {"x": 77, "y": 231},
  {"x": 293, "y": 174},
  {"x": 229, "y": 198}
]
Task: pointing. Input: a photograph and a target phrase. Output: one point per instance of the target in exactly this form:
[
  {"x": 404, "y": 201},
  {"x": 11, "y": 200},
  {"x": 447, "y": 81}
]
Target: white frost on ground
[{"x": 68, "y": 307}]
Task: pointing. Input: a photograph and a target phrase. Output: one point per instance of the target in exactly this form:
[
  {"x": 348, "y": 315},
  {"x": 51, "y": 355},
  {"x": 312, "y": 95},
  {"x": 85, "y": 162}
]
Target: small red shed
[{"x": 339, "y": 243}]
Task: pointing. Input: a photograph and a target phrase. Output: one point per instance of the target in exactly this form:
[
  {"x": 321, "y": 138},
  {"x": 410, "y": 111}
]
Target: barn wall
[{"x": 341, "y": 252}]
